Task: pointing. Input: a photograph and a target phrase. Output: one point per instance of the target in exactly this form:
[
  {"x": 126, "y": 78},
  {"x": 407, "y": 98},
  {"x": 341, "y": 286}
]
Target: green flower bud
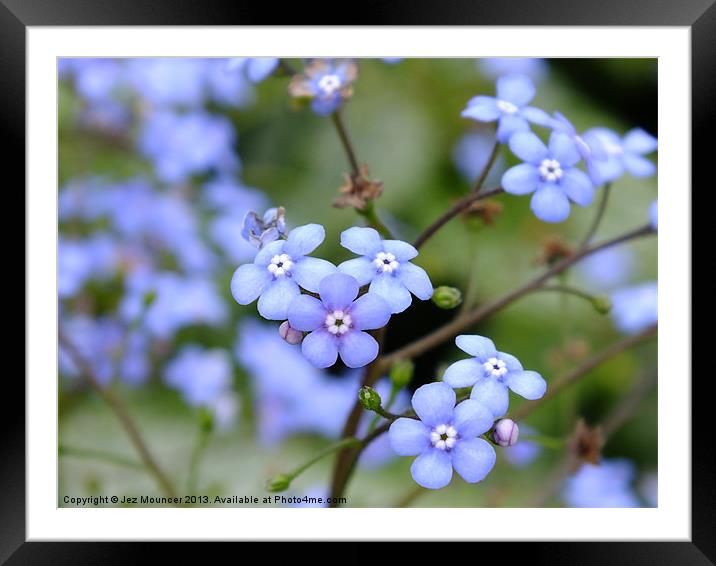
[
  {"x": 280, "y": 482},
  {"x": 401, "y": 373},
  {"x": 369, "y": 398},
  {"x": 602, "y": 304},
  {"x": 447, "y": 297}
]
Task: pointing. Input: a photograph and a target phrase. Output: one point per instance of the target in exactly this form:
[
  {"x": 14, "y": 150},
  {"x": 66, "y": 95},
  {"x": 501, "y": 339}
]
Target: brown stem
[
  {"x": 486, "y": 169},
  {"x": 337, "y": 118},
  {"x": 120, "y": 411}
]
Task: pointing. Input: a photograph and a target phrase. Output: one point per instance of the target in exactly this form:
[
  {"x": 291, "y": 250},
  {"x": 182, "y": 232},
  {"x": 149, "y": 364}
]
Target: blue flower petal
[
  {"x": 473, "y": 459},
  {"x": 549, "y": 203},
  {"x": 527, "y": 384},
  {"x": 248, "y": 282},
  {"x": 401, "y": 250},
  {"x": 528, "y": 147},
  {"x": 432, "y": 469},
  {"x": 463, "y": 373},
  {"x": 638, "y": 141},
  {"x": 357, "y": 348},
  {"x": 392, "y": 290},
  {"x": 608, "y": 170},
  {"x": 362, "y": 241},
  {"x": 369, "y": 312},
  {"x": 493, "y": 394},
  {"x": 263, "y": 257},
  {"x": 482, "y": 109},
  {"x": 304, "y": 239},
  {"x": 306, "y": 313},
  {"x": 512, "y": 363},
  {"x": 409, "y": 437},
  {"x": 320, "y": 348},
  {"x": 509, "y": 125},
  {"x": 338, "y": 290},
  {"x": 517, "y": 89},
  {"x": 563, "y": 149},
  {"x": 361, "y": 268},
  {"x": 638, "y": 166},
  {"x": 308, "y": 272},
  {"x": 434, "y": 403},
  {"x": 416, "y": 280},
  {"x": 472, "y": 418},
  {"x": 578, "y": 186},
  {"x": 323, "y": 106},
  {"x": 536, "y": 115},
  {"x": 276, "y": 298},
  {"x": 478, "y": 346},
  {"x": 259, "y": 68},
  {"x": 520, "y": 179}
]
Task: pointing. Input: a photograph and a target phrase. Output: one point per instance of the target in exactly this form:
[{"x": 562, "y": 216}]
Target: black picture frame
[{"x": 698, "y": 15}]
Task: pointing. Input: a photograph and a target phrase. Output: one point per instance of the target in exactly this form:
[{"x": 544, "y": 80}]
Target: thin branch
[
  {"x": 120, "y": 411},
  {"x": 100, "y": 455},
  {"x": 337, "y": 119},
  {"x": 486, "y": 169},
  {"x": 598, "y": 218}
]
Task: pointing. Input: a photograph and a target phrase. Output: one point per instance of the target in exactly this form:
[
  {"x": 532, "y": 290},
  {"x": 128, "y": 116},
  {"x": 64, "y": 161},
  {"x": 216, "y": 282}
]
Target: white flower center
[
  {"x": 550, "y": 170},
  {"x": 495, "y": 367},
  {"x": 443, "y": 437},
  {"x": 385, "y": 262},
  {"x": 507, "y": 107},
  {"x": 329, "y": 84},
  {"x": 338, "y": 322},
  {"x": 280, "y": 265}
]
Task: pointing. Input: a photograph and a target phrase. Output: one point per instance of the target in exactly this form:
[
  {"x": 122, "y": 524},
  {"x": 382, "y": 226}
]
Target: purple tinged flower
[
  {"x": 279, "y": 270},
  {"x": 490, "y": 373},
  {"x": 328, "y": 83},
  {"x": 654, "y": 215},
  {"x": 607, "y": 484},
  {"x": 290, "y": 334},
  {"x": 337, "y": 322},
  {"x": 623, "y": 154},
  {"x": 385, "y": 264},
  {"x": 635, "y": 308},
  {"x": 506, "y": 433},
  {"x": 256, "y": 69},
  {"x": 444, "y": 438},
  {"x": 259, "y": 231},
  {"x": 549, "y": 173},
  {"x": 509, "y": 108}
]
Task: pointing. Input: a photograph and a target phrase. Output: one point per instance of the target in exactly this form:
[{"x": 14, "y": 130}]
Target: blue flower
[
  {"x": 386, "y": 266},
  {"x": 509, "y": 108},
  {"x": 654, "y": 215},
  {"x": 494, "y": 67},
  {"x": 623, "y": 155},
  {"x": 490, "y": 373},
  {"x": 256, "y": 69},
  {"x": 550, "y": 173},
  {"x": 261, "y": 231},
  {"x": 444, "y": 438},
  {"x": 608, "y": 268},
  {"x": 524, "y": 452},
  {"x": 279, "y": 270},
  {"x": 605, "y": 485},
  {"x": 201, "y": 376},
  {"x": 471, "y": 155},
  {"x": 326, "y": 82},
  {"x": 336, "y": 322},
  {"x": 635, "y": 308},
  {"x": 589, "y": 146}
]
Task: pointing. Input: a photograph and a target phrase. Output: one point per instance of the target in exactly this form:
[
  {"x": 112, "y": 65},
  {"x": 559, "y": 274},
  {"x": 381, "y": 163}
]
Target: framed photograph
[{"x": 379, "y": 282}]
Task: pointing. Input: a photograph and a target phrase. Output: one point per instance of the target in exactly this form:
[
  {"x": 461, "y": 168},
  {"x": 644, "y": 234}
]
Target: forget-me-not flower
[
  {"x": 509, "y": 108},
  {"x": 256, "y": 69},
  {"x": 337, "y": 322},
  {"x": 326, "y": 82},
  {"x": 589, "y": 146},
  {"x": 608, "y": 484},
  {"x": 279, "y": 270},
  {"x": 385, "y": 264},
  {"x": 550, "y": 173},
  {"x": 623, "y": 154},
  {"x": 490, "y": 373},
  {"x": 635, "y": 308},
  {"x": 444, "y": 438},
  {"x": 259, "y": 231}
]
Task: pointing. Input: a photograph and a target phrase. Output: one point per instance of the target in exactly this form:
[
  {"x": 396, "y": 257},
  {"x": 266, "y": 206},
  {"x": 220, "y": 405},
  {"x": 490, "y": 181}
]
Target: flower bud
[
  {"x": 506, "y": 433},
  {"x": 280, "y": 482},
  {"x": 290, "y": 334},
  {"x": 602, "y": 304},
  {"x": 369, "y": 398},
  {"x": 447, "y": 297},
  {"x": 401, "y": 373}
]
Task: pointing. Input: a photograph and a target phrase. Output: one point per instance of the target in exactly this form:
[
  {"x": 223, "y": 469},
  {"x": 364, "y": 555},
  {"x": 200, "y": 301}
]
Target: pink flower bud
[
  {"x": 291, "y": 335},
  {"x": 506, "y": 432}
]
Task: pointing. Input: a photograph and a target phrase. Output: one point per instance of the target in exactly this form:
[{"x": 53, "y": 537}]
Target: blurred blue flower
[
  {"x": 509, "y": 108},
  {"x": 490, "y": 373},
  {"x": 169, "y": 140},
  {"x": 168, "y": 81},
  {"x": 337, "y": 322},
  {"x": 623, "y": 155},
  {"x": 326, "y": 82},
  {"x": 79, "y": 260},
  {"x": 200, "y": 375},
  {"x": 256, "y": 69},
  {"x": 525, "y": 451},
  {"x": 608, "y": 268},
  {"x": 608, "y": 484},
  {"x": 279, "y": 269},
  {"x": 494, "y": 67},
  {"x": 654, "y": 215},
  {"x": 444, "y": 438},
  {"x": 226, "y": 87},
  {"x": 550, "y": 173},
  {"x": 96, "y": 79},
  {"x": 471, "y": 155},
  {"x": 259, "y": 231},
  {"x": 635, "y": 308},
  {"x": 385, "y": 264}
]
